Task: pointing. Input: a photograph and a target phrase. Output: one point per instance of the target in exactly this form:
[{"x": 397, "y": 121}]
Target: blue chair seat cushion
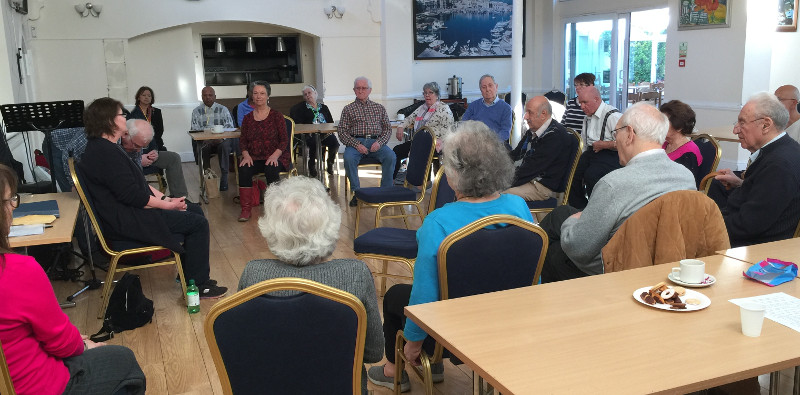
[
  {"x": 387, "y": 241},
  {"x": 388, "y": 194},
  {"x": 549, "y": 203}
]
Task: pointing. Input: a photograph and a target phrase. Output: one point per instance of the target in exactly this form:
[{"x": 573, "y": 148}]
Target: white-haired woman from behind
[{"x": 301, "y": 225}]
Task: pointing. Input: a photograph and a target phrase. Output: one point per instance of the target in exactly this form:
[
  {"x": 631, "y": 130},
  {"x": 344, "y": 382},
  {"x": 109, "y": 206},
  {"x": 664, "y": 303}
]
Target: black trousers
[
  {"x": 331, "y": 142},
  {"x": 395, "y": 300},
  {"x": 557, "y": 265},
  {"x": 193, "y": 226},
  {"x": 400, "y": 152},
  {"x": 592, "y": 166},
  {"x": 271, "y": 173},
  {"x": 105, "y": 370}
]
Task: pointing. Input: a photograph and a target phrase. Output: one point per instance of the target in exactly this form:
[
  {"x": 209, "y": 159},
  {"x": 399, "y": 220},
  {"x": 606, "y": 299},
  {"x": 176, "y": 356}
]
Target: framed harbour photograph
[
  {"x": 462, "y": 29},
  {"x": 787, "y": 15},
  {"x": 704, "y": 14}
]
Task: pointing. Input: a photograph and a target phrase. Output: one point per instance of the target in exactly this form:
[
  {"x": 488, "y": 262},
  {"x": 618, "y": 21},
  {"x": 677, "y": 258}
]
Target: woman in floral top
[
  {"x": 264, "y": 145},
  {"x": 433, "y": 113}
]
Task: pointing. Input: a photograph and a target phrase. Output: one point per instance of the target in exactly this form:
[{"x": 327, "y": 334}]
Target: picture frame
[
  {"x": 462, "y": 29},
  {"x": 787, "y": 15},
  {"x": 704, "y": 14}
]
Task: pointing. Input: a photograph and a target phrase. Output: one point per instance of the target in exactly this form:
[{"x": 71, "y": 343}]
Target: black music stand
[{"x": 44, "y": 117}]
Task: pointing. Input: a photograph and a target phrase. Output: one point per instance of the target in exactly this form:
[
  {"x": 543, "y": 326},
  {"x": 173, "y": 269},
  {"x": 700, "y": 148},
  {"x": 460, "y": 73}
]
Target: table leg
[
  {"x": 797, "y": 380},
  {"x": 774, "y": 382},
  {"x": 321, "y": 162},
  {"x": 203, "y": 193}
]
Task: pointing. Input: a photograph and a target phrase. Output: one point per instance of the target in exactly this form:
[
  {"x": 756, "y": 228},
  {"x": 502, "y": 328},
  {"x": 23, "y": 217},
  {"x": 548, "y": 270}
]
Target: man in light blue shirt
[
  {"x": 491, "y": 110},
  {"x": 206, "y": 116}
]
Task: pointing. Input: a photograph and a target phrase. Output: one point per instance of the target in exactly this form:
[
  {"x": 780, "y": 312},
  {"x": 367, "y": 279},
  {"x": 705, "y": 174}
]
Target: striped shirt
[
  {"x": 205, "y": 117},
  {"x": 364, "y": 119},
  {"x": 573, "y": 116}
]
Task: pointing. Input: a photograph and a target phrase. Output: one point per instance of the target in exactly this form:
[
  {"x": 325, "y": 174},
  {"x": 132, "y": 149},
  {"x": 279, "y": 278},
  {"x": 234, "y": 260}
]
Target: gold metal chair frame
[
  {"x": 116, "y": 255},
  {"x": 6, "y": 384},
  {"x": 286, "y": 284},
  {"x": 380, "y": 206},
  {"x": 705, "y": 185},
  {"x": 293, "y": 171},
  {"x": 162, "y": 185},
  {"x": 424, "y": 370},
  {"x": 572, "y": 169},
  {"x": 383, "y": 274}
]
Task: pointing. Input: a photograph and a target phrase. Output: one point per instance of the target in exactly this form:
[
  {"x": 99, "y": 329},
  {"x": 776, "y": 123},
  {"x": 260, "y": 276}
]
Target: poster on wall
[
  {"x": 704, "y": 14},
  {"x": 462, "y": 29},
  {"x": 787, "y": 15}
]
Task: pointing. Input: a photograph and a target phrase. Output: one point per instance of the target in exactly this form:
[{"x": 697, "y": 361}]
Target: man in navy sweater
[
  {"x": 764, "y": 203},
  {"x": 491, "y": 110},
  {"x": 542, "y": 153}
]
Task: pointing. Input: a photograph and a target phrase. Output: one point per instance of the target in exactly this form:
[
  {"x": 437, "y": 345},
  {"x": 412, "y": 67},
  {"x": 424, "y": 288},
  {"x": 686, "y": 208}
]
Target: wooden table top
[
  {"x": 63, "y": 226},
  {"x": 590, "y": 335},
  {"x": 305, "y": 128},
  {"x": 206, "y": 135},
  {"x": 785, "y": 250}
]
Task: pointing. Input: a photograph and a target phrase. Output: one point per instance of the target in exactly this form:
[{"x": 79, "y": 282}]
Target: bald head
[
  {"x": 537, "y": 111},
  {"x": 208, "y": 96},
  {"x": 641, "y": 128},
  {"x": 789, "y": 96},
  {"x": 589, "y": 99}
]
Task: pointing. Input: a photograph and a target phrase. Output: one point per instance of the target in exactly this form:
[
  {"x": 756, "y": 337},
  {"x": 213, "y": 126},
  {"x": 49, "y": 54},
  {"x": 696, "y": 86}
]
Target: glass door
[{"x": 590, "y": 48}]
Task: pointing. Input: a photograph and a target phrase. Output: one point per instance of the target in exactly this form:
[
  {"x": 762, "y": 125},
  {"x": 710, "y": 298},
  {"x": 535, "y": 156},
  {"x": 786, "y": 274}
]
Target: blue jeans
[{"x": 384, "y": 155}]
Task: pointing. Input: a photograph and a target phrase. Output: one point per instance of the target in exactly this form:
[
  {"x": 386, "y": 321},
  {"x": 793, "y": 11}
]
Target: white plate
[
  {"x": 708, "y": 281},
  {"x": 690, "y": 294}
]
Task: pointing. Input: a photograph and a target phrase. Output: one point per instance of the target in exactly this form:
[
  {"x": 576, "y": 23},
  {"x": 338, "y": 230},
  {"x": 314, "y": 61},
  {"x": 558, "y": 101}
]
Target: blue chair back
[
  {"x": 574, "y": 151},
  {"x": 494, "y": 253},
  {"x": 419, "y": 157},
  {"x": 266, "y": 342},
  {"x": 711, "y": 152},
  {"x": 442, "y": 193}
]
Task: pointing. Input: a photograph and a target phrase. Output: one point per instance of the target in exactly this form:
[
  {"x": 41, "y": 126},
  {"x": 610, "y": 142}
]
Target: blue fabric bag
[{"x": 772, "y": 272}]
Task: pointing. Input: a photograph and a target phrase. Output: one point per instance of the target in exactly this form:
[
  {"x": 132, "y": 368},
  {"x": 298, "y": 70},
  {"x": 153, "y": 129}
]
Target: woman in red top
[
  {"x": 264, "y": 144},
  {"x": 45, "y": 353}
]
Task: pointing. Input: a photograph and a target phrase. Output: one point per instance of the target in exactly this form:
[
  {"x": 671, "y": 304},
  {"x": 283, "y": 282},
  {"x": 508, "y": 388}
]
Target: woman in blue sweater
[{"x": 478, "y": 168}]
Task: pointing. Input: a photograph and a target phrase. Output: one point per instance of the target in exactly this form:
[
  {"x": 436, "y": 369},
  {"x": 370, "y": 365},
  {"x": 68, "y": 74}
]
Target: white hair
[
  {"x": 300, "y": 222},
  {"x": 647, "y": 122},
  {"x": 767, "y": 105},
  {"x": 133, "y": 130},
  {"x": 369, "y": 83}
]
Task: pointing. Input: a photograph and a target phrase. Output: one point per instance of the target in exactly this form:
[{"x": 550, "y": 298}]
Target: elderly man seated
[
  {"x": 140, "y": 137},
  {"x": 789, "y": 96},
  {"x": 364, "y": 128},
  {"x": 577, "y": 237},
  {"x": 764, "y": 204},
  {"x": 542, "y": 153},
  {"x": 491, "y": 110},
  {"x": 208, "y": 115}
]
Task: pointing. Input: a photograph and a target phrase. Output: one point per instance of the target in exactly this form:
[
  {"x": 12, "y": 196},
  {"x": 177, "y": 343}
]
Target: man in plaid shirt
[{"x": 364, "y": 129}]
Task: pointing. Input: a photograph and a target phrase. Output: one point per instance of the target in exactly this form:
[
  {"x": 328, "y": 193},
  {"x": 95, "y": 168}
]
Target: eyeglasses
[
  {"x": 614, "y": 132},
  {"x": 361, "y": 88},
  {"x": 740, "y": 124},
  {"x": 121, "y": 114},
  {"x": 787, "y": 99},
  {"x": 13, "y": 200},
  {"x": 581, "y": 85}
]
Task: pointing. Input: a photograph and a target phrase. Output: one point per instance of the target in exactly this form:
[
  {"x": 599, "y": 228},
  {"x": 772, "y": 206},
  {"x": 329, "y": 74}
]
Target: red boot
[
  {"x": 260, "y": 187},
  {"x": 246, "y": 196},
  {"x": 257, "y": 195}
]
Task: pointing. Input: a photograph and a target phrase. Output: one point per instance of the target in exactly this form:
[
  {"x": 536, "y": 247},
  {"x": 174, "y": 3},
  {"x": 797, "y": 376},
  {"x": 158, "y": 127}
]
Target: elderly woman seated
[
  {"x": 301, "y": 225},
  {"x": 678, "y": 144},
  {"x": 478, "y": 168}
]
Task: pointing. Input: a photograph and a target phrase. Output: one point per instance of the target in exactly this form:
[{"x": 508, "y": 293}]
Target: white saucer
[{"x": 709, "y": 280}]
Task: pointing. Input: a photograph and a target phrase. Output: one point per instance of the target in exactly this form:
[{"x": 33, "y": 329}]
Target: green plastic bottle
[{"x": 192, "y": 298}]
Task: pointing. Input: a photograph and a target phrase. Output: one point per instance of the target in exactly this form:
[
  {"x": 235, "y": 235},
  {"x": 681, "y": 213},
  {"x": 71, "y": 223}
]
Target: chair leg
[
  {"x": 383, "y": 278},
  {"x": 774, "y": 382},
  {"x": 796, "y": 380},
  {"x": 112, "y": 269},
  {"x": 358, "y": 218},
  {"x": 180, "y": 275}
]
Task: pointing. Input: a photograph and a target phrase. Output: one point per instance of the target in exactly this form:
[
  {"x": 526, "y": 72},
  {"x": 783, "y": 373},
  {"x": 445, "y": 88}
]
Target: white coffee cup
[
  {"x": 401, "y": 117},
  {"x": 218, "y": 129},
  {"x": 752, "y": 315},
  {"x": 692, "y": 271}
]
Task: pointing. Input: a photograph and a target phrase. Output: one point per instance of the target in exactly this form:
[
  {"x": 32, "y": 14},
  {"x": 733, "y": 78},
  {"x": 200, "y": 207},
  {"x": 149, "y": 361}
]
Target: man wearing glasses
[
  {"x": 139, "y": 136},
  {"x": 364, "y": 128},
  {"x": 577, "y": 237},
  {"x": 789, "y": 97},
  {"x": 763, "y": 204}
]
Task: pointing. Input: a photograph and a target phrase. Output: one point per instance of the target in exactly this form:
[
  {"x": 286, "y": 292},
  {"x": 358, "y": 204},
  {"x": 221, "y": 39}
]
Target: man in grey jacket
[{"x": 577, "y": 237}]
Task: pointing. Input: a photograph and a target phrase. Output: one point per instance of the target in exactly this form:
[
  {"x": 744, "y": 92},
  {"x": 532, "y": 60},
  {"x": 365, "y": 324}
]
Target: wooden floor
[{"x": 172, "y": 350}]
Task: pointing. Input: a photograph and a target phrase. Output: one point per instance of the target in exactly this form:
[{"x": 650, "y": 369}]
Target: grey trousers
[
  {"x": 171, "y": 163},
  {"x": 105, "y": 370}
]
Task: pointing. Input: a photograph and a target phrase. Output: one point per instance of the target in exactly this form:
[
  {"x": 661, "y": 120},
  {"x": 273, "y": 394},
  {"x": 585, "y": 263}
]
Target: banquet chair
[
  {"x": 546, "y": 206},
  {"x": 677, "y": 225},
  {"x": 6, "y": 385},
  {"x": 420, "y": 157},
  {"x": 365, "y": 162},
  {"x": 118, "y": 249},
  {"x": 400, "y": 245},
  {"x": 159, "y": 177},
  {"x": 259, "y": 339},
  {"x": 711, "y": 152},
  {"x": 705, "y": 183},
  {"x": 494, "y": 253}
]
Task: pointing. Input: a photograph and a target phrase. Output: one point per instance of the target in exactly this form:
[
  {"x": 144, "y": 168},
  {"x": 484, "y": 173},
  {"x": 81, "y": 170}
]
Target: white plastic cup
[
  {"x": 752, "y": 315},
  {"x": 218, "y": 129},
  {"x": 692, "y": 271},
  {"x": 401, "y": 117}
]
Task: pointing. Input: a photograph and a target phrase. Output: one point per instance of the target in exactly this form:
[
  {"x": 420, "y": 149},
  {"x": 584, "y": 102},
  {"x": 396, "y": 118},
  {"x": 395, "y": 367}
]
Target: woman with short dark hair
[
  {"x": 678, "y": 144},
  {"x": 45, "y": 353},
  {"x": 145, "y": 98}
]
